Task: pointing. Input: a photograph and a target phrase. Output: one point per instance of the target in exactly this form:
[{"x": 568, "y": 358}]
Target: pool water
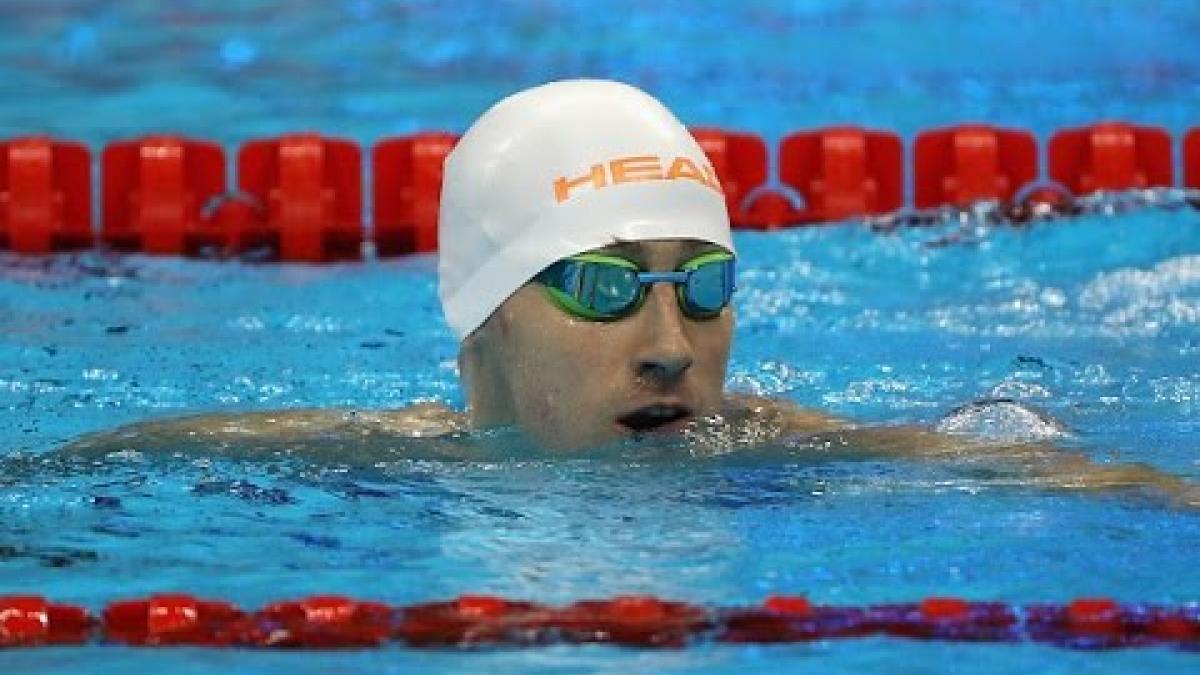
[
  {"x": 1095, "y": 320},
  {"x": 1097, "y": 329}
]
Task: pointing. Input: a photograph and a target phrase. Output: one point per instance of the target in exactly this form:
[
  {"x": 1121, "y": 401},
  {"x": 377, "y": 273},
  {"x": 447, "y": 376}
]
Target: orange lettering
[
  {"x": 563, "y": 186},
  {"x": 713, "y": 182},
  {"x": 638, "y": 167},
  {"x": 683, "y": 167}
]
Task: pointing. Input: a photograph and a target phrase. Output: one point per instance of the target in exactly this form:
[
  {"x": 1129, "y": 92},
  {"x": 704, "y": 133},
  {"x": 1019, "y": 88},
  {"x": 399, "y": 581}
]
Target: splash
[{"x": 1001, "y": 421}]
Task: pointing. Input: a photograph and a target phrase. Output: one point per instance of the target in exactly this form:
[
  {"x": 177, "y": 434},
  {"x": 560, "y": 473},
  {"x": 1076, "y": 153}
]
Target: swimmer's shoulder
[
  {"x": 805, "y": 427},
  {"x": 790, "y": 418},
  {"x": 264, "y": 428},
  {"x": 419, "y": 420}
]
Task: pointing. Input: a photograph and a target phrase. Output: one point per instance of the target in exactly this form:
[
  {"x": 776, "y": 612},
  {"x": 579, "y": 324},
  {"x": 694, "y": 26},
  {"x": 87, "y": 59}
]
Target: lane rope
[{"x": 339, "y": 622}]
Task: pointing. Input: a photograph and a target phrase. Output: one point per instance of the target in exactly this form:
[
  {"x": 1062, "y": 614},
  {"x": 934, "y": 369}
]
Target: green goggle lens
[{"x": 606, "y": 288}]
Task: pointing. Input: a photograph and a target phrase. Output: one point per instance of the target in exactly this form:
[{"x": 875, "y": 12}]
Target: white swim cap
[{"x": 559, "y": 169}]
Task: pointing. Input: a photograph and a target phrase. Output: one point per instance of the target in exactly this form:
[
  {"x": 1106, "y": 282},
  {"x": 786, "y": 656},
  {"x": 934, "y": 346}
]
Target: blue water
[
  {"x": 876, "y": 328},
  {"x": 99, "y": 70},
  {"x": 1095, "y": 320}
]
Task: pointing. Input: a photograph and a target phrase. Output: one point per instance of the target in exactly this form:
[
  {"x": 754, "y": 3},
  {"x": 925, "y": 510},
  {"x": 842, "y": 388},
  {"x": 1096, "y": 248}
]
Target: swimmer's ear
[
  {"x": 484, "y": 379},
  {"x": 474, "y": 352},
  {"x": 468, "y": 358},
  {"x": 468, "y": 370}
]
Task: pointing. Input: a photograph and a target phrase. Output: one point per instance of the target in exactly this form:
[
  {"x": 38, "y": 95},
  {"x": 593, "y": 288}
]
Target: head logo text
[{"x": 634, "y": 169}]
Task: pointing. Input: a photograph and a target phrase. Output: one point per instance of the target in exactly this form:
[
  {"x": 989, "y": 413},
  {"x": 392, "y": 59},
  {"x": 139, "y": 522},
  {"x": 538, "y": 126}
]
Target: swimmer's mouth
[{"x": 658, "y": 417}]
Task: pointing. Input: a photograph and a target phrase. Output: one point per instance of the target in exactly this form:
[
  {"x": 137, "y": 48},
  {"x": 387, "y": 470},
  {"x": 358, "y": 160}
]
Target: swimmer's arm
[
  {"x": 1036, "y": 463},
  {"x": 260, "y": 429}
]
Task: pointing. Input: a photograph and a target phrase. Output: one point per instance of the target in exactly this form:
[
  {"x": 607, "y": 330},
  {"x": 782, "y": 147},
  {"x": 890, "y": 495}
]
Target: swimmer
[{"x": 587, "y": 268}]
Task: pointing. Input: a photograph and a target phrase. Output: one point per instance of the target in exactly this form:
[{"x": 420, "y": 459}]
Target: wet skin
[{"x": 570, "y": 383}]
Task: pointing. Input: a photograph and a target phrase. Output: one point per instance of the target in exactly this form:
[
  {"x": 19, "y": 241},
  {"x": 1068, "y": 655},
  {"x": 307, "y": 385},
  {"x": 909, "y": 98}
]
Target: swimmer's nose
[{"x": 666, "y": 353}]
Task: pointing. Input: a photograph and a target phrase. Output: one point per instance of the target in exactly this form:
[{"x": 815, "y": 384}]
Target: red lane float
[
  {"x": 740, "y": 160},
  {"x": 171, "y": 619},
  {"x": 632, "y": 620},
  {"x": 1191, "y": 158},
  {"x": 318, "y": 622},
  {"x": 407, "y": 191},
  {"x": 474, "y": 620},
  {"x": 947, "y": 619},
  {"x": 310, "y": 188},
  {"x": 45, "y": 195},
  {"x": 154, "y": 192},
  {"x": 783, "y": 619},
  {"x": 794, "y": 619},
  {"x": 1111, "y": 156},
  {"x": 31, "y": 620},
  {"x": 1100, "y": 623},
  {"x": 957, "y": 166},
  {"x": 843, "y": 172}
]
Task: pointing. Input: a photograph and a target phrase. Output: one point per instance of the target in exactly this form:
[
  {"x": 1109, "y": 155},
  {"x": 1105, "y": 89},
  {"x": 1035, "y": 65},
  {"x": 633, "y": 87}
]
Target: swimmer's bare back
[{"x": 431, "y": 430}]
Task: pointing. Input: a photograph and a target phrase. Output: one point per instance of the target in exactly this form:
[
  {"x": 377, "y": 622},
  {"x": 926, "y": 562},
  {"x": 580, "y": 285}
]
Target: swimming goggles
[{"x": 602, "y": 287}]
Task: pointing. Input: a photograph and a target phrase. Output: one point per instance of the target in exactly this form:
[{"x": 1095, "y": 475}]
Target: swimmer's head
[{"x": 551, "y": 172}]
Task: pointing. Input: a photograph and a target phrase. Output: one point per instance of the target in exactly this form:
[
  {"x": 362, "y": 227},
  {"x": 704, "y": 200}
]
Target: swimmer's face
[{"x": 568, "y": 382}]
